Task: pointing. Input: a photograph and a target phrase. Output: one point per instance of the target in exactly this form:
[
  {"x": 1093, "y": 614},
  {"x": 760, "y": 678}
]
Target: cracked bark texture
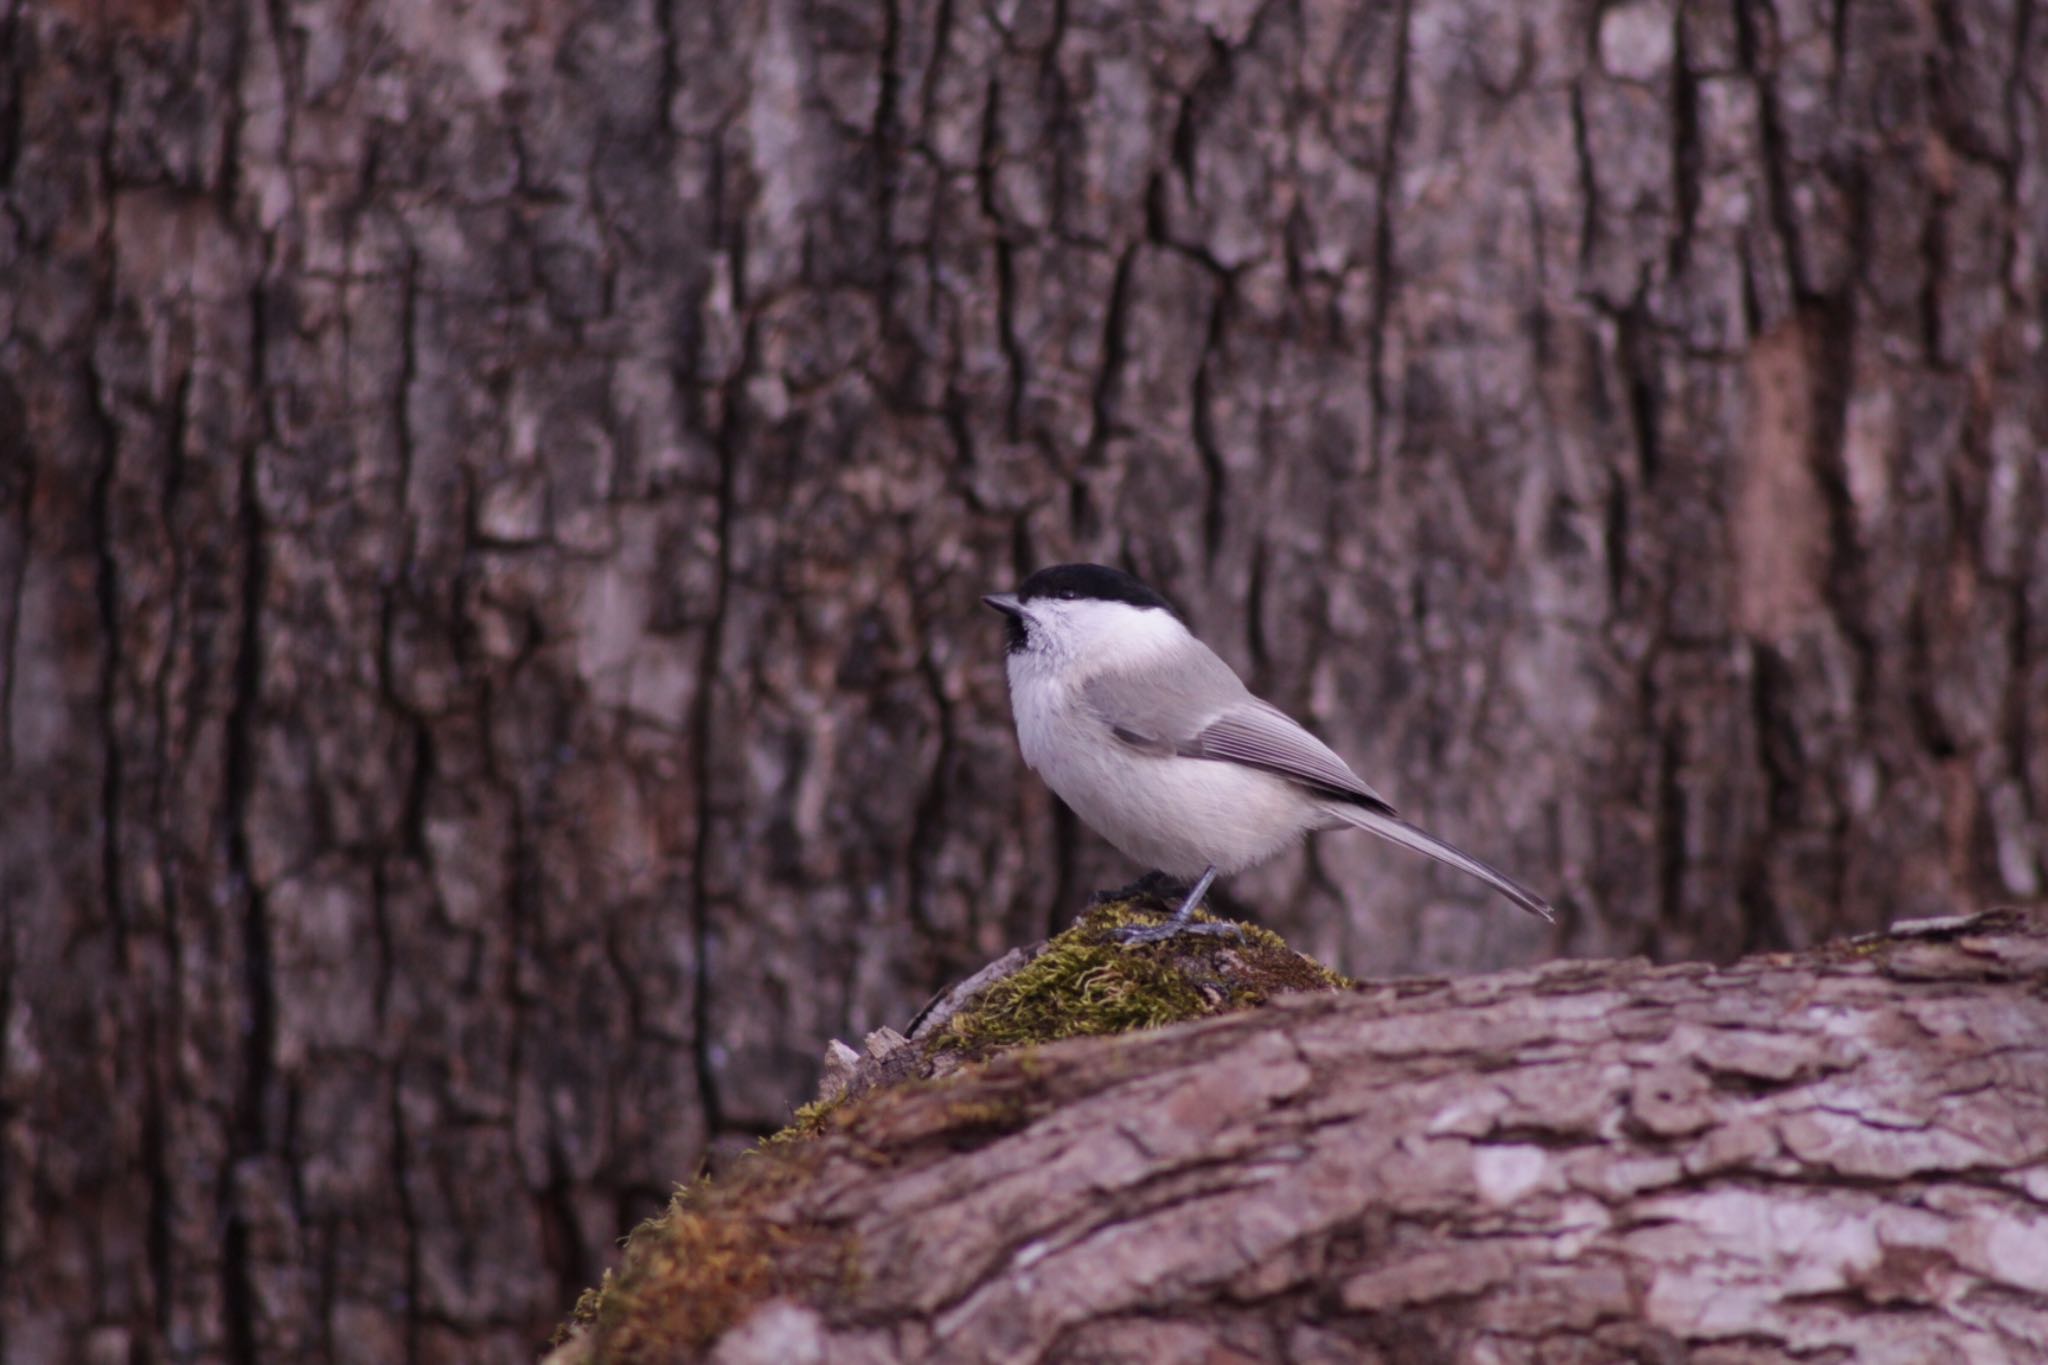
[
  {"x": 495, "y": 500},
  {"x": 1835, "y": 1156}
]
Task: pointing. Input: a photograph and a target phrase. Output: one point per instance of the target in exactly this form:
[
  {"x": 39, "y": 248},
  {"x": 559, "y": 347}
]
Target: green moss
[
  {"x": 586, "y": 1310},
  {"x": 808, "y": 1121},
  {"x": 703, "y": 1264},
  {"x": 1086, "y": 982}
]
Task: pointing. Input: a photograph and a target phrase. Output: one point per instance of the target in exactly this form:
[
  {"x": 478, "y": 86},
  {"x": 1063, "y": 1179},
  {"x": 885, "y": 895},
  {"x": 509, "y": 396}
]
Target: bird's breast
[{"x": 1180, "y": 815}]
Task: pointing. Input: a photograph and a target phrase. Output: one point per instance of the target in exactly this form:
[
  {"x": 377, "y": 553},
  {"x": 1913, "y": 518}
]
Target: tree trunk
[
  {"x": 1837, "y": 1155},
  {"x": 495, "y": 499}
]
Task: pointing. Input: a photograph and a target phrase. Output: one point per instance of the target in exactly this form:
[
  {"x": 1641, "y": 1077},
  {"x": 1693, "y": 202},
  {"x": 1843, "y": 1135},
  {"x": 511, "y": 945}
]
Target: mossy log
[{"x": 1839, "y": 1154}]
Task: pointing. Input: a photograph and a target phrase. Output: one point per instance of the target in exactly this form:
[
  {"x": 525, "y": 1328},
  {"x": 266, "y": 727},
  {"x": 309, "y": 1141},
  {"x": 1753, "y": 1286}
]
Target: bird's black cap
[{"x": 1097, "y": 582}]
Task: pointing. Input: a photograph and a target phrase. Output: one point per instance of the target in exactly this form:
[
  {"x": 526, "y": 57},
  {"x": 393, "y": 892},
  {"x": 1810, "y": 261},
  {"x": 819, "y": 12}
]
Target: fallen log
[{"x": 1836, "y": 1154}]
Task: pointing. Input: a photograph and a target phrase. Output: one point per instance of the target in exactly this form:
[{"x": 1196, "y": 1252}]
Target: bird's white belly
[{"x": 1180, "y": 815}]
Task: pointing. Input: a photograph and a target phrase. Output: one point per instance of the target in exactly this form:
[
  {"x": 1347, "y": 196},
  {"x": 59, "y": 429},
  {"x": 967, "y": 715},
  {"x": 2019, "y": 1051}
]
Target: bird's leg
[{"x": 1183, "y": 921}]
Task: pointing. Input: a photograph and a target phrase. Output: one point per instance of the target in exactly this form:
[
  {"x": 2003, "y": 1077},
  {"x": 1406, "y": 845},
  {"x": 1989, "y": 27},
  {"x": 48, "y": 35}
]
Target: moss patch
[
  {"x": 1088, "y": 983},
  {"x": 807, "y": 1122},
  {"x": 700, "y": 1267}
]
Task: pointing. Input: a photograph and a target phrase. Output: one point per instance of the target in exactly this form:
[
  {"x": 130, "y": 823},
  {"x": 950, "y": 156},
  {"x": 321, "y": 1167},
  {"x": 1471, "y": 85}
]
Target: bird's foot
[
  {"x": 1159, "y": 933},
  {"x": 1183, "y": 921}
]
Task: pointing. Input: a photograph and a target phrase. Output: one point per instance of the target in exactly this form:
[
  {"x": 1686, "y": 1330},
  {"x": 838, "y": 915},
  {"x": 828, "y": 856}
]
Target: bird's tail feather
[{"x": 1394, "y": 828}]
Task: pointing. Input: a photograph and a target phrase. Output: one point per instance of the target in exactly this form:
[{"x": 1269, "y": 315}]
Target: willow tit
[{"x": 1162, "y": 750}]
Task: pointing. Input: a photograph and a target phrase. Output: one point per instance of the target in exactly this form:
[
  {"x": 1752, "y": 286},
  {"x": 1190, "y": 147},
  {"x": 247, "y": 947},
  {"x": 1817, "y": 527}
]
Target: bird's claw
[{"x": 1159, "y": 933}]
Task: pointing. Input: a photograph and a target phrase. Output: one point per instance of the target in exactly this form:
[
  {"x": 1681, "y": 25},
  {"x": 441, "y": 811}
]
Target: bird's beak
[{"x": 1006, "y": 604}]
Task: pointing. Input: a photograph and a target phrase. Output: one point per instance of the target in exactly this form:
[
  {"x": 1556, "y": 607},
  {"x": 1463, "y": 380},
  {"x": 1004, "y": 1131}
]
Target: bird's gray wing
[
  {"x": 1158, "y": 709},
  {"x": 1260, "y": 735},
  {"x": 1203, "y": 710}
]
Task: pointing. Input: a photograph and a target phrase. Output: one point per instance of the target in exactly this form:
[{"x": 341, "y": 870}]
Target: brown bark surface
[
  {"x": 1834, "y": 1156},
  {"x": 493, "y": 499}
]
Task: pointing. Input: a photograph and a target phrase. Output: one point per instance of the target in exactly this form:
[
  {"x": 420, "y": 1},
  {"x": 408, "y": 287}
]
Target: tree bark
[
  {"x": 493, "y": 501},
  {"x": 1836, "y": 1155}
]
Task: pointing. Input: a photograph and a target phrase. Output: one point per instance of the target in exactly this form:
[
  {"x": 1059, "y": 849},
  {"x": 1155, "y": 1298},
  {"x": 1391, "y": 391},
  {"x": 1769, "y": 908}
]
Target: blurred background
[{"x": 494, "y": 497}]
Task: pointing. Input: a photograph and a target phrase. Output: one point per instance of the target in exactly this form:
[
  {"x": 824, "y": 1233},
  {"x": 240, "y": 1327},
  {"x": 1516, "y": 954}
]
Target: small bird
[{"x": 1158, "y": 745}]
